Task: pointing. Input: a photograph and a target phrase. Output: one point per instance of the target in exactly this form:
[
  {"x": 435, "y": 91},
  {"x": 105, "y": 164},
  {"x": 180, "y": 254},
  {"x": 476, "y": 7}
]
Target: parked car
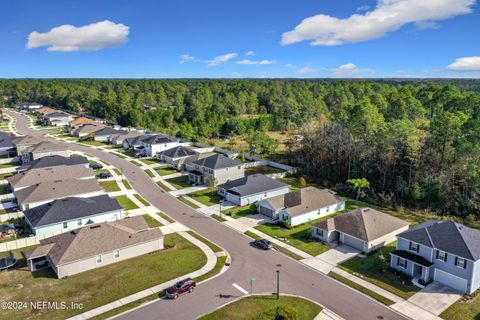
[
  {"x": 181, "y": 287},
  {"x": 104, "y": 175},
  {"x": 139, "y": 155},
  {"x": 95, "y": 166},
  {"x": 262, "y": 244}
]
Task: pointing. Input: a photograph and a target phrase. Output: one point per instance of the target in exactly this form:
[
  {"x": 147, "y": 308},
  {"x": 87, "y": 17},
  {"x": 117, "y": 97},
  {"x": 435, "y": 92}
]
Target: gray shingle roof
[
  {"x": 177, "y": 152},
  {"x": 46, "y": 146},
  {"x": 252, "y": 184},
  {"x": 40, "y": 175},
  {"x": 217, "y": 161},
  {"x": 447, "y": 236},
  {"x": 57, "y": 114},
  {"x": 107, "y": 131},
  {"x": 136, "y": 140},
  {"x": 6, "y": 141},
  {"x": 96, "y": 239},
  {"x": 88, "y": 128},
  {"x": 364, "y": 223},
  {"x": 159, "y": 138},
  {"x": 70, "y": 208},
  {"x": 53, "y": 161}
]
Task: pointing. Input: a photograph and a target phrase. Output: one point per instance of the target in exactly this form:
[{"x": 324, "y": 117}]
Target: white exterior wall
[
  {"x": 38, "y": 155},
  {"x": 386, "y": 239},
  {"x": 73, "y": 224},
  {"x": 243, "y": 201},
  {"x": 101, "y": 138},
  {"x": 83, "y": 195},
  {"x": 152, "y": 149},
  {"x": 108, "y": 258},
  {"x": 312, "y": 215}
]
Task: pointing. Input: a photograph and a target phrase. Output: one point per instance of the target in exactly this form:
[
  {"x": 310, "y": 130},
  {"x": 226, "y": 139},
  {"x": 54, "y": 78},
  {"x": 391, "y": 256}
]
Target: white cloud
[
  {"x": 95, "y": 36},
  {"x": 221, "y": 59},
  {"x": 184, "y": 58},
  {"x": 252, "y": 62},
  {"x": 250, "y": 53},
  {"x": 347, "y": 68},
  {"x": 465, "y": 64},
  {"x": 387, "y": 16},
  {"x": 290, "y": 65},
  {"x": 351, "y": 70},
  {"x": 306, "y": 70}
]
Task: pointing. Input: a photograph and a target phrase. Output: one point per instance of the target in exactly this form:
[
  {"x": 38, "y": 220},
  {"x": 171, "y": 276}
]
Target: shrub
[{"x": 302, "y": 181}]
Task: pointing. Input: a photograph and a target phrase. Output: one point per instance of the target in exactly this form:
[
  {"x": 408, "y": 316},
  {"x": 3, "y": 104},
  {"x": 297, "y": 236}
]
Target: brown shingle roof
[
  {"x": 80, "y": 120},
  {"x": 40, "y": 175},
  {"x": 46, "y": 146}
]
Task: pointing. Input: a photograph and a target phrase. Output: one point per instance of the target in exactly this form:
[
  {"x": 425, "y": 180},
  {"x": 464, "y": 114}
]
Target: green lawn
[
  {"x": 126, "y": 203},
  {"x": 118, "y": 172},
  {"x": 294, "y": 183},
  {"x": 127, "y": 184},
  {"x": 163, "y": 186},
  {"x": 218, "y": 218},
  {"x": 165, "y": 171},
  {"x": 109, "y": 186},
  {"x": 94, "y": 143},
  {"x": 152, "y": 223},
  {"x": 150, "y": 173},
  {"x": 97, "y": 172},
  {"x": 140, "y": 198},
  {"x": 218, "y": 267},
  {"x": 208, "y": 197},
  {"x": 238, "y": 212},
  {"x": 6, "y": 175},
  {"x": 138, "y": 164},
  {"x": 128, "y": 152},
  {"x": 266, "y": 307},
  {"x": 120, "y": 155},
  {"x": 100, "y": 286},
  {"x": 262, "y": 170},
  {"x": 9, "y": 165},
  {"x": 164, "y": 216},
  {"x": 150, "y": 161},
  {"x": 4, "y": 189},
  {"x": 188, "y": 202},
  {"x": 463, "y": 310},
  {"x": 180, "y": 182},
  {"x": 210, "y": 244},
  {"x": 376, "y": 271},
  {"x": 278, "y": 248},
  {"x": 364, "y": 290}
]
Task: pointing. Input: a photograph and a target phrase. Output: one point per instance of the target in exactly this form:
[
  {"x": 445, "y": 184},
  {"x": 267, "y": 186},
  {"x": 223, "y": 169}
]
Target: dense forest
[{"x": 417, "y": 142}]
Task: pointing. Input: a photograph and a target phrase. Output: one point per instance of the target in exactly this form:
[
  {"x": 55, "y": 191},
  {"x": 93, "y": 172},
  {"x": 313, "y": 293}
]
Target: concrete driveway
[
  {"x": 328, "y": 260},
  {"x": 435, "y": 298}
]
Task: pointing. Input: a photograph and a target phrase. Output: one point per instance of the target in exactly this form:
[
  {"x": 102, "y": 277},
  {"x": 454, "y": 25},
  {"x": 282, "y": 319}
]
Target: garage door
[
  {"x": 450, "y": 280},
  {"x": 353, "y": 242}
]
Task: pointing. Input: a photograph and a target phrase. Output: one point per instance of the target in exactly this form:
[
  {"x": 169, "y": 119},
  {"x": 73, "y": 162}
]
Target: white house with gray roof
[
  {"x": 218, "y": 166},
  {"x": 43, "y": 149},
  {"x": 157, "y": 143},
  {"x": 301, "y": 206},
  {"x": 442, "y": 251},
  {"x": 95, "y": 246},
  {"x": 71, "y": 213},
  {"x": 174, "y": 154},
  {"x": 55, "y": 161},
  {"x": 57, "y": 118},
  {"x": 252, "y": 188}
]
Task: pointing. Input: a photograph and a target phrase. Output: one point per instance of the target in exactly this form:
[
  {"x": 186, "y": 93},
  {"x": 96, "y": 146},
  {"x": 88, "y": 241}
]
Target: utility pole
[{"x": 278, "y": 284}]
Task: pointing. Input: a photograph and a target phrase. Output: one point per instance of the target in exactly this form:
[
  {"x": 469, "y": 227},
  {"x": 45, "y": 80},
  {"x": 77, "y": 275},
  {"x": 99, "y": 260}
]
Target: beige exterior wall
[
  {"x": 224, "y": 175},
  {"x": 107, "y": 258},
  {"x": 386, "y": 239},
  {"x": 38, "y": 155}
]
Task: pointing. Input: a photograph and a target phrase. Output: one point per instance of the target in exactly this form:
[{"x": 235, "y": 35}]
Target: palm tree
[{"x": 359, "y": 184}]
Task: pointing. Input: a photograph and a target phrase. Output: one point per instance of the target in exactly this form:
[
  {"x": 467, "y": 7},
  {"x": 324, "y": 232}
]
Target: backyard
[
  {"x": 180, "y": 182},
  {"x": 267, "y": 307},
  {"x": 374, "y": 269},
  {"x": 126, "y": 203},
  {"x": 262, "y": 170},
  {"x": 208, "y": 197},
  {"x": 100, "y": 286}
]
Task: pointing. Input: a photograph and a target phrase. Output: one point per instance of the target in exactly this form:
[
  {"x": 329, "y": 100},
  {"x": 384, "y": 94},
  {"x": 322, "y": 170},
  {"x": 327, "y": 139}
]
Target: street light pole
[
  {"x": 221, "y": 201},
  {"x": 278, "y": 284}
]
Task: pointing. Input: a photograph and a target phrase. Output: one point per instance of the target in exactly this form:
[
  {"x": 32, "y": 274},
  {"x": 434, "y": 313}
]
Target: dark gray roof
[
  {"x": 53, "y": 161},
  {"x": 159, "y": 138},
  {"x": 136, "y": 140},
  {"x": 178, "y": 152},
  {"x": 217, "y": 161},
  {"x": 447, "y": 236},
  {"x": 6, "y": 141},
  {"x": 252, "y": 184},
  {"x": 57, "y": 114},
  {"x": 107, "y": 131},
  {"x": 412, "y": 257},
  {"x": 70, "y": 209}
]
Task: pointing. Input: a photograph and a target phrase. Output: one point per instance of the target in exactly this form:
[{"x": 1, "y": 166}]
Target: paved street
[{"x": 247, "y": 261}]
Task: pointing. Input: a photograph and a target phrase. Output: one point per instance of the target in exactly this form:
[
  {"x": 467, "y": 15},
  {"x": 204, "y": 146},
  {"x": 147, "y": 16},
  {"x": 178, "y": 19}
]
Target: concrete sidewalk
[{"x": 211, "y": 261}]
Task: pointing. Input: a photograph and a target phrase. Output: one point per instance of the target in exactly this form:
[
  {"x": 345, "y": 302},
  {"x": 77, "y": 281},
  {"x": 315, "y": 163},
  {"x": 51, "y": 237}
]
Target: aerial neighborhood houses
[
  {"x": 218, "y": 167},
  {"x": 57, "y": 118}
]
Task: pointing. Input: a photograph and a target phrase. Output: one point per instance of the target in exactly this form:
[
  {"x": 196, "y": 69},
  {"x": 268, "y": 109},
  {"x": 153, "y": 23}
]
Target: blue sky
[{"x": 339, "y": 38}]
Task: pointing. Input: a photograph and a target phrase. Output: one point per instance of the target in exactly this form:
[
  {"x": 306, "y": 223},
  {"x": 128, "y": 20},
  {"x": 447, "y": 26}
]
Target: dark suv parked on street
[{"x": 181, "y": 287}]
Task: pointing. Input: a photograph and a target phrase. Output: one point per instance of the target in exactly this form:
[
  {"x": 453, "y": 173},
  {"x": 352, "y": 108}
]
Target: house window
[
  {"x": 402, "y": 263},
  {"x": 98, "y": 259},
  {"x": 460, "y": 262},
  {"x": 441, "y": 255},
  {"x": 414, "y": 246},
  {"x": 328, "y": 209},
  {"x": 65, "y": 225},
  {"x": 116, "y": 254},
  {"x": 79, "y": 222},
  {"x": 320, "y": 233}
]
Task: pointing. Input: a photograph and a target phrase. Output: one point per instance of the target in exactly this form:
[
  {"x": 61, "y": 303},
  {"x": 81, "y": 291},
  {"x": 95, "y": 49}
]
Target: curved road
[{"x": 247, "y": 262}]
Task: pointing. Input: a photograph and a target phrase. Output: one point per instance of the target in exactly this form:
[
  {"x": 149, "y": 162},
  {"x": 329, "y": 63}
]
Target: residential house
[
  {"x": 95, "y": 246},
  {"x": 44, "y": 111},
  {"x": 43, "y": 149},
  {"x": 117, "y": 139},
  {"x": 158, "y": 143},
  {"x": 217, "y": 166},
  {"x": 442, "y": 251},
  {"x": 57, "y": 118},
  {"x": 184, "y": 163},
  {"x": 7, "y": 146},
  {"x": 86, "y": 130},
  {"x": 135, "y": 142},
  {"x": 103, "y": 134},
  {"x": 301, "y": 206},
  {"x": 175, "y": 154},
  {"x": 252, "y": 188},
  {"x": 364, "y": 229},
  {"x": 39, "y": 175},
  {"x": 24, "y": 142},
  {"x": 80, "y": 121},
  {"x": 54, "y": 161},
  {"x": 44, "y": 192},
  {"x": 71, "y": 213},
  {"x": 29, "y": 106}
]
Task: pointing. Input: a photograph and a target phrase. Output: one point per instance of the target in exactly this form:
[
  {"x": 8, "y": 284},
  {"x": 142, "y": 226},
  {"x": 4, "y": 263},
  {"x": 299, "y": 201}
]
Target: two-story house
[
  {"x": 157, "y": 143},
  {"x": 218, "y": 166},
  {"x": 442, "y": 251}
]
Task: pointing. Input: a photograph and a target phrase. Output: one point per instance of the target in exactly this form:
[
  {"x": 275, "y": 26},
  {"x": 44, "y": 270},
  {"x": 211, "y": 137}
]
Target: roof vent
[{"x": 95, "y": 227}]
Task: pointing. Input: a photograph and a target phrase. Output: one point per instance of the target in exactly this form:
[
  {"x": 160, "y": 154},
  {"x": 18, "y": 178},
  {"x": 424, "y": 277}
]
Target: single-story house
[
  {"x": 364, "y": 229},
  {"x": 95, "y": 246},
  {"x": 7, "y": 147},
  {"x": 252, "y": 188},
  {"x": 442, "y": 251},
  {"x": 117, "y": 139},
  {"x": 218, "y": 166},
  {"x": 24, "y": 142},
  {"x": 34, "y": 176},
  {"x": 55, "y": 161},
  {"x": 184, "y": 163},
  {"x": 80, "y": 121},
  {"x": 105, "y": 133},
  {"x": 57, "y": 118},
  {"x": 135, "y": 142},
  {"x": 175, "y": 154},
  {"x": 29, "y": 106},
  {"x": 44, "y": 192},
  {"x": 301, "y": 206},
  {"x": 86, "y": 129},
  {"x": 157, "y": 143},
  {"x": 43, "y": 149},
  {"x": 71, "y": 213},
  {"x": 45, "y": 110}
]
